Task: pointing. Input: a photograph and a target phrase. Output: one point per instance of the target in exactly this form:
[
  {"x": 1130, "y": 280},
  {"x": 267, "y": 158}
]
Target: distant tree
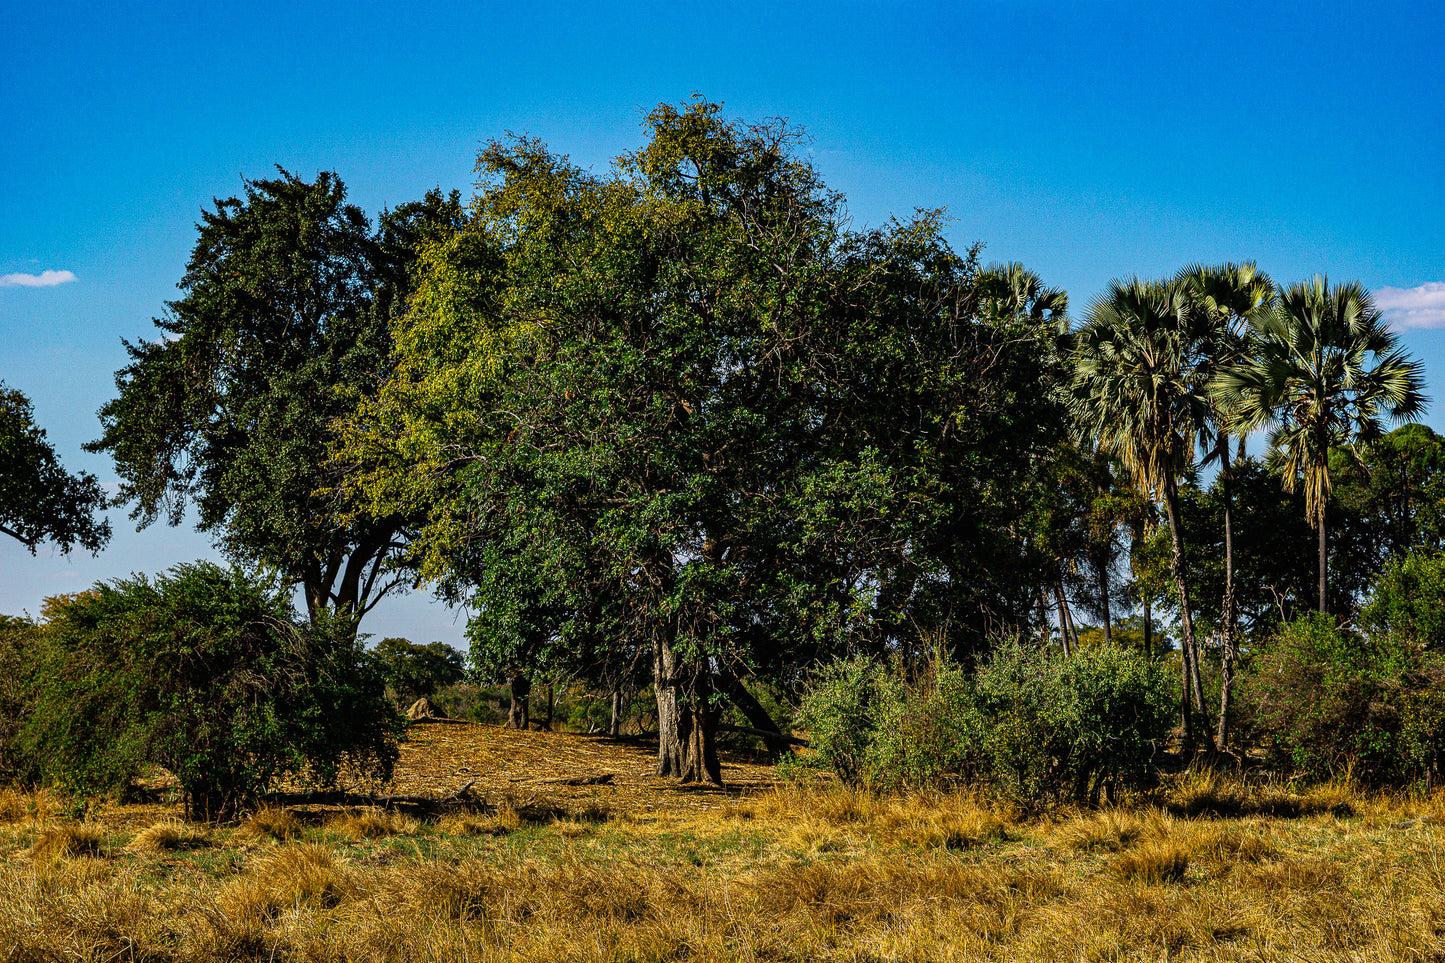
[
  {"x": 1328, "y": 372},
  {"x": 39, "y": 500},
  {"x": 414, "y": 671},
  {"x": 283, "y": 328}
]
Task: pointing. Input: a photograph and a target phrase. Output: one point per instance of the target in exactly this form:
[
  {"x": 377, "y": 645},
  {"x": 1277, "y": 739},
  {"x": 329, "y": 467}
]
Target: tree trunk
[
  {"x": 1148, "y": 628},
  {"x": 1069, "y": 619},
  {"x": 614, "y": 727},
  {"x": 1324, "y": 559},
  {"x": 1230, "y": 652},
  {"x": 1044, "y": 618},
  {"x": 1063, "y": 623},
  {"x": 521, "y": 687},
  {"x": 686, "y": 744},
  {"x": 551, "y": 707},
  {"x": 1193, "y": 695},
  {"x": 1104, "y": 597}
]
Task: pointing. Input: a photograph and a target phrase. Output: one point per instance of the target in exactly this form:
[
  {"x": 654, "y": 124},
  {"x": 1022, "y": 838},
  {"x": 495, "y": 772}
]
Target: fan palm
[
  {"x": 1225, "y": 298},
  {"x": 1140, "y": 391},
  {"x": 1327, "y": 372}
]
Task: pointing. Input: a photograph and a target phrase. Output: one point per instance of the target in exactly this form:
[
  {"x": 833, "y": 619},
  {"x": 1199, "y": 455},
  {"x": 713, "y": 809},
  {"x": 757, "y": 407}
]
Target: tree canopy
[
  {"x": 39, "y": 500},
  {"x": 283, "y": 327}
]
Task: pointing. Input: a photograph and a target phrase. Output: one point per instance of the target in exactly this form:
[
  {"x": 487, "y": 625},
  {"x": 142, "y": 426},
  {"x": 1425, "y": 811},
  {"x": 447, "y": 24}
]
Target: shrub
[
  {"x": 1332, "y": 701},
  {"x": 1408, "y": 601},
  {"x": 18, "y": 643},
  {"x": 208, "y": 674},
  {"x": 1036, "y": 725},
  {"x": 1078, "y": 727},
  {"x": 848, "y": 708}
]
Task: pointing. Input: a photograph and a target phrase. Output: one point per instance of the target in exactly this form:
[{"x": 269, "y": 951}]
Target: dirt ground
[
  {"x": 440, "y": 758},
  {"x": 523, "y": 770}
]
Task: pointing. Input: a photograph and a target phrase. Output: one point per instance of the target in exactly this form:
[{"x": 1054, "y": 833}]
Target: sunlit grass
[{"x": 1206, "y": 867}]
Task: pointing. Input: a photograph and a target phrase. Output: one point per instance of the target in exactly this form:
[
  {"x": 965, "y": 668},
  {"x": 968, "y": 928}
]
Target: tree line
[{"x": 681, "y": 422}]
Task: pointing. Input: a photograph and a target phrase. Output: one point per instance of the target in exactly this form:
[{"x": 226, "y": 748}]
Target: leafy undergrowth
[{"x": 1205, "y": 868}]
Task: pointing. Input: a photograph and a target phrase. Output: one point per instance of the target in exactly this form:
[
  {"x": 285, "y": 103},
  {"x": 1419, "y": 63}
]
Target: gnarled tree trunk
[{"x": 686, "y": 721}]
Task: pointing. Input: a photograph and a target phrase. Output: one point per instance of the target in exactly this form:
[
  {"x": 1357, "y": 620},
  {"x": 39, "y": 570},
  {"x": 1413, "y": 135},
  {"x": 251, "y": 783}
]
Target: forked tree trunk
[
  {"x": 521, "y": 686},
  {"x": 686, "y": 729}
]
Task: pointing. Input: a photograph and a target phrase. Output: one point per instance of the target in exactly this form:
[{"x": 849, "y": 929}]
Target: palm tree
[
  {"x": 1326, "y": 373},
  {"x": 1226, "y": 297},
  {"x": 1140, "y": 391}
]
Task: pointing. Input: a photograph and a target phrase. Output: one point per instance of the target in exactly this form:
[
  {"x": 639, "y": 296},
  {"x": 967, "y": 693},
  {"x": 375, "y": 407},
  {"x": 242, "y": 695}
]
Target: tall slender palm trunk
[
  {"x": 1193, "y": 690},
  {"x": 1230, "y": 653},
  {"x": 1324, "y": 558}
]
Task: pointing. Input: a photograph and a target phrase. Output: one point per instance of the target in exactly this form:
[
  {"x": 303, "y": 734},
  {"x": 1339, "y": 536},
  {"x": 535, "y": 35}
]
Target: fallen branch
[{"x": 601, "y": 780}]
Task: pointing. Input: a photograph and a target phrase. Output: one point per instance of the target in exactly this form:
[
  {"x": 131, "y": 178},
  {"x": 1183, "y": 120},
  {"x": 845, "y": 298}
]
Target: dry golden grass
[
  {"x": 169, "y": 835},
  {"x": 68, "y": 841},
  {"x": 371, "y": 824},
  {"x": 1209, "y": 868},
  {"x": 274, "y": 822}
]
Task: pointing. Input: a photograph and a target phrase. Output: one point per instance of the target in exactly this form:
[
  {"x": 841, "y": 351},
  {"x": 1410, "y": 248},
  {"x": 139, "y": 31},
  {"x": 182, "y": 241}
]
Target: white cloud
[
  {"x": 45, "y": 279},
  {"x": 1422, "y": 307}
]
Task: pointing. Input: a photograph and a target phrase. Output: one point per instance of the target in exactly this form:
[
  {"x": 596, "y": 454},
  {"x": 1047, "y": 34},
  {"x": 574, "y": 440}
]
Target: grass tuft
[
  {"x": 272, "y": 821},
  {"x": 371, "y": 824},
  {"x": 69, "y": 841},
  {"x": 1157, "y": 861},
  {"x": 169, "y": 836}
]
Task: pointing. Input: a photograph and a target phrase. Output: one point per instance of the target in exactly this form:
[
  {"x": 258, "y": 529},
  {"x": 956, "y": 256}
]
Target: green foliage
[
  {"x": 1072, "y": 728},
  {"x": 412, "y": 670},
  {"x": 848, "y": 708},
  {"x": 1408, "y": 602},
  {"x": 283, "y": 327},
  {"x": 19, "y": 641},
  {"x": 1037, "y": 726},
  {"x": 206, "y": 673},
  {"x": 39, "y": 500},
  {"x": 1331, "y": 701}
]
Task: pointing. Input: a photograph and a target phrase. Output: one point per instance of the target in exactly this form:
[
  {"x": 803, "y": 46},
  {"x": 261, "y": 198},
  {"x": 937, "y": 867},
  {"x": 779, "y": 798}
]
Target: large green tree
[
  {"x": 1327, "y": 373},
  {"x": 283, "y": 328},
  {"x": 39, "y": 500},
  {"x": 681, "y": 404}
]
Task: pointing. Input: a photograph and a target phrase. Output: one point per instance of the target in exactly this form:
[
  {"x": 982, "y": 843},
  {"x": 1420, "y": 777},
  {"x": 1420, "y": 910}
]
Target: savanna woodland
[{"x": 832, "y": 591}]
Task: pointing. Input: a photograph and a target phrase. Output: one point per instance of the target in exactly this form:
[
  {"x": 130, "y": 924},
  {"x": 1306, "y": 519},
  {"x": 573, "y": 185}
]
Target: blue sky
[{"x": 1089, "y": 140}]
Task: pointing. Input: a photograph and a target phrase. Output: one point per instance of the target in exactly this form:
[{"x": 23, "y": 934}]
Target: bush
[
  {"x": 1034, "y": 724},
  {"x": 1331, "y": 701},
  {"x": 847, "y": 709},
  {"x": 1408, "y": 601},
  {"x": 18, "y": 641},
  {"x": 1079, "y": 727},
  {"x": 208, "y": 674}
]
